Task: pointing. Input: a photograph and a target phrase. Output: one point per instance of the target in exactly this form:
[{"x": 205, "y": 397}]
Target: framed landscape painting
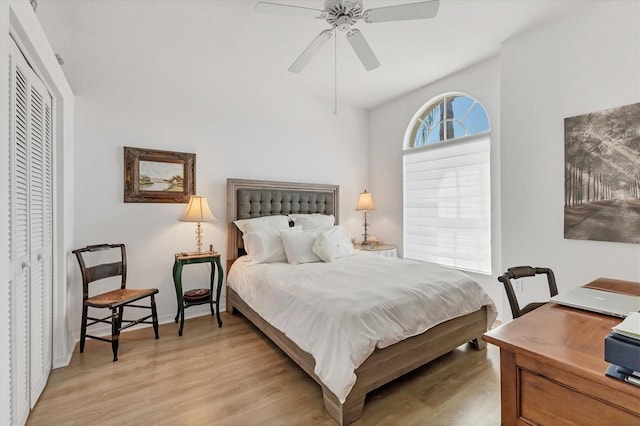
[
  {"x": 602, "y": 175},
  {"x": 154, "y": 176}
]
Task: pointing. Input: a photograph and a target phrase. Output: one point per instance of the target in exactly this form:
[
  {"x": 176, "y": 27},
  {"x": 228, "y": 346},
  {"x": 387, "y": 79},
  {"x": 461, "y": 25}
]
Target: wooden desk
[{"x": 552, "y": 368}]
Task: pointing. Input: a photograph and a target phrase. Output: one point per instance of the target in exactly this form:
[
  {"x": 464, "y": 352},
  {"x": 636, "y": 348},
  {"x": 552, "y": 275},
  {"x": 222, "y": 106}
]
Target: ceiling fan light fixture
[{"x": 343, "y": 23}]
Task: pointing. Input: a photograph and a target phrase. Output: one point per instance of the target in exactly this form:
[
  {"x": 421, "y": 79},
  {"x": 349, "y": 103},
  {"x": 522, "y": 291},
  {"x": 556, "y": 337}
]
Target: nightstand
[
  {"x": 380, "y": 249},
  {"x": 198, "y": 296}
]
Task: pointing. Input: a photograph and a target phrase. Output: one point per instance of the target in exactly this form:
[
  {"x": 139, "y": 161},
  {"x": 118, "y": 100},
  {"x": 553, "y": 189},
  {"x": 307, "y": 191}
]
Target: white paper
[{"x": 630, "y": 326}]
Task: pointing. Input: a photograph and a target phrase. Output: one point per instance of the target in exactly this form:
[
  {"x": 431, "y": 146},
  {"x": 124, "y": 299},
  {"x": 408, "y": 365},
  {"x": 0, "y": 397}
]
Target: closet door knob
[{"x": 25, "y": 264}]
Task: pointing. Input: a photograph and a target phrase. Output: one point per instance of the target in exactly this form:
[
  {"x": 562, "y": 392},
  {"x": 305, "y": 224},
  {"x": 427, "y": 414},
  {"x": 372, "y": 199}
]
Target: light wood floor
[{"x": 235, "y": 376}]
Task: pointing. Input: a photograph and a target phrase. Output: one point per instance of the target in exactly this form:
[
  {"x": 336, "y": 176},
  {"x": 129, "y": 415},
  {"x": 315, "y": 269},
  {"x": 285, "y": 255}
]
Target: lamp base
[
  {"x": 365, "y": 241},
  {"x": 199, "y": 238}
]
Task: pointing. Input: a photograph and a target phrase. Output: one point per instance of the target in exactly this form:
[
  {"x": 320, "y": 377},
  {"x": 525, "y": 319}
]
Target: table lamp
[
  {"x": 197, "y": 211},
  {"x": 365, "y": 203}
]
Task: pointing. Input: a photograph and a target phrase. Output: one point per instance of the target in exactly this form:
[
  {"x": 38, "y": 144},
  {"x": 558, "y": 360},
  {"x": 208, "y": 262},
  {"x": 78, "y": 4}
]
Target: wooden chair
[
  {"x": 115, "y": 300},
  {"x": 518, "y": 272}
]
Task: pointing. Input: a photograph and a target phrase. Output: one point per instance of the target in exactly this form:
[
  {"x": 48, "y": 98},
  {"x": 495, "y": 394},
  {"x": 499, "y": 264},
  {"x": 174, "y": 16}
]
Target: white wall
[
  {"x": 387, "y": 126},
  {"x": 586, "y": 62},
  {"x": 139, "y": 82}
]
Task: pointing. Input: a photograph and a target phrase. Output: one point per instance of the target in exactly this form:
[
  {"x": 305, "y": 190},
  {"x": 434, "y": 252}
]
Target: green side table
[{"x": 200, "y": 296}]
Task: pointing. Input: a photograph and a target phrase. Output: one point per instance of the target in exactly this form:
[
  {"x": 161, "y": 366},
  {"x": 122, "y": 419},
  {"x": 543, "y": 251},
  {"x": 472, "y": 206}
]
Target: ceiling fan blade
[
  {"x": 285, "y": 9},
  {"x": 363, "y": 50},
  {"x": 402, "y": 12},
  {"x": 310, "y": 51}
]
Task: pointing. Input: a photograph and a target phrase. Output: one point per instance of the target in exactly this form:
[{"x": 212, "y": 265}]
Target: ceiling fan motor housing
[{"x": 343, "y": 13}]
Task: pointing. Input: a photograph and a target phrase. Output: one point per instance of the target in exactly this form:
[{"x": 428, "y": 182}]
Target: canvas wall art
[{"x": 602, "y": 175}]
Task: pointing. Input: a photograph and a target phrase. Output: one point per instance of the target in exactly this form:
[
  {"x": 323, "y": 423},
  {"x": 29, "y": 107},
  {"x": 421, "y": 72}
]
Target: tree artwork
[{"x": 602, "y": 175}]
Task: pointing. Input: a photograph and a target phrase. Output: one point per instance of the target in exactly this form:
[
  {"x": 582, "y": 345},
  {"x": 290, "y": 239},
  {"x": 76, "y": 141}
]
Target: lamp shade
[
  {"x": 365, "y": 202},
  {"x": 197, "y": 211}
]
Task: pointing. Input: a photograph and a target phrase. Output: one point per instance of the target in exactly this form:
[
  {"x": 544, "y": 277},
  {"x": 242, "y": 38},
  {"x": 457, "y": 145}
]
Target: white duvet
[{"x": 339, "y": 312}]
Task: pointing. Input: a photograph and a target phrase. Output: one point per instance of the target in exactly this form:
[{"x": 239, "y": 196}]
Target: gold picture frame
[{"x": 154, "y": 176}]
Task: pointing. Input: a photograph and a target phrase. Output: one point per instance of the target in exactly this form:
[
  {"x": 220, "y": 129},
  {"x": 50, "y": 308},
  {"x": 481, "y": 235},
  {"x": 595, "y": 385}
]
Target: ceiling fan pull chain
[{"x": 335, "y": 75}]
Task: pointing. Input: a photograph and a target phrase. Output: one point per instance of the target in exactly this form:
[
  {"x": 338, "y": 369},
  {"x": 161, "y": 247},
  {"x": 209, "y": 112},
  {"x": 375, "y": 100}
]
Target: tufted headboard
[{"x": 254, "y": 198}]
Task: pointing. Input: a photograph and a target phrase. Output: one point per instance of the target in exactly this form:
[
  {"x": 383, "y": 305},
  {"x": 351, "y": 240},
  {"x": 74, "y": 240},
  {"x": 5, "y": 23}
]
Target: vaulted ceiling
[{"x": 228, "y": 36}]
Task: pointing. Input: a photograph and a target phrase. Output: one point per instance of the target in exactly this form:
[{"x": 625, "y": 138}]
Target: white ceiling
[
  {"x": 225, "y": 38},
  {"x": 411, "y": 53}
]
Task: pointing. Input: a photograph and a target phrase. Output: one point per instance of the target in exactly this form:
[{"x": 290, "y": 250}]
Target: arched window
[
  {"x": 449, "y": 117},
  {"x": 447, "y": 184}
]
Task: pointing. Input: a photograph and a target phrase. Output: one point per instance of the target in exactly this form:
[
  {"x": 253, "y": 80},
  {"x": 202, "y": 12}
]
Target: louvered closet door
[
  {"x": 41, "y": 230},
  {"x": 30, "y": 240},
  {"x": 19, "y": 241}
]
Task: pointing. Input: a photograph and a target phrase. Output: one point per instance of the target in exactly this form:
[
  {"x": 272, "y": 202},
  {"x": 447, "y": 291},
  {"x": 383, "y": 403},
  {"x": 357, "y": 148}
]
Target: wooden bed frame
[{"x": 383, "y": 365}]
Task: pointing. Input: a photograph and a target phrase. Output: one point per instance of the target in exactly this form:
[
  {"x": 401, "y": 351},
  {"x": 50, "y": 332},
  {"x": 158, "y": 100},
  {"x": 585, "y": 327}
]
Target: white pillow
[
  {"x": 298, "y": 245},
  {"x": 262, "y": 223},
  {"x": 315, "y": 221},
  {"x": 264, "y": 246},
  {"x": 333, "y": 244}
]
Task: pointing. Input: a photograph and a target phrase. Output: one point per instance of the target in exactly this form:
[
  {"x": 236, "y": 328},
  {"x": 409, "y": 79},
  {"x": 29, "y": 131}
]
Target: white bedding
[{"x": 339, "y": 312}]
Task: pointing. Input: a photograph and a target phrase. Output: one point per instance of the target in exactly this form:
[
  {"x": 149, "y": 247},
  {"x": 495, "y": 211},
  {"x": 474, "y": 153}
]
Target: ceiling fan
[{"x": 342, "y": 15}]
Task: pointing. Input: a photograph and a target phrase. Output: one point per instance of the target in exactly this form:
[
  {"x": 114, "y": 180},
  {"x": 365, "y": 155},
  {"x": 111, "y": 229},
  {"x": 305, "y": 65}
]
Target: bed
[{"x": 382, "y": 363}]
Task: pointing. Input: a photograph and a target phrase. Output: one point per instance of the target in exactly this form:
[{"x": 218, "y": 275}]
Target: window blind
[{"x": 447, "y": 204}]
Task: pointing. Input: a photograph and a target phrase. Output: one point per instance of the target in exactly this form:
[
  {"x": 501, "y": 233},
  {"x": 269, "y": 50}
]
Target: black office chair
[
  {"x": 518, "y": 272},
  {"x": 115, "y": 300}
]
